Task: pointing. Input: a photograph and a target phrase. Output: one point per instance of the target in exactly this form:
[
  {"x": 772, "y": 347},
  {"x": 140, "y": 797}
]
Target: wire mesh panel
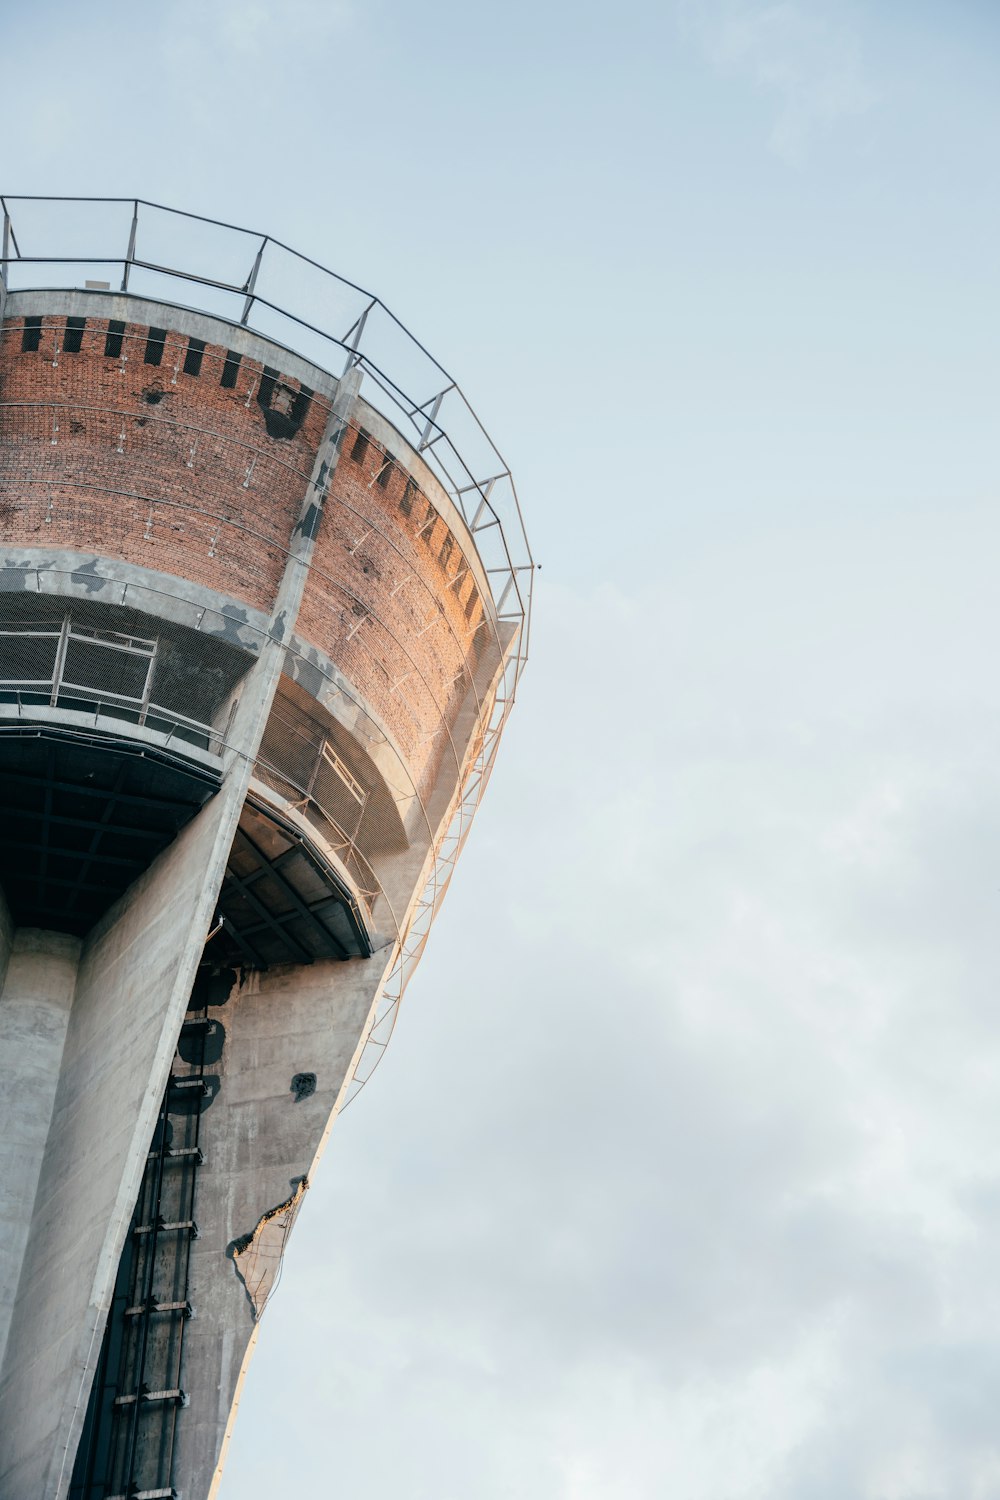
[{"x": 69, "y": 656}]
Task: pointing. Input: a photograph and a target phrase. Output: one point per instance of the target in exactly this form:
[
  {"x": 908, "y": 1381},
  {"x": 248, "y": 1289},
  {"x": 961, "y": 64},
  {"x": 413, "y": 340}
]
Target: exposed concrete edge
[{"x": 166, "y": 596}]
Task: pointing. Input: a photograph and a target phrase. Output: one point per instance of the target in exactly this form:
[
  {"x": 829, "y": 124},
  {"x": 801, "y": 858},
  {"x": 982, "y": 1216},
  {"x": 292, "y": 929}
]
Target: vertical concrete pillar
[
  {"x": 135, "y": 975},
  {"x": 37, "y": 978}
]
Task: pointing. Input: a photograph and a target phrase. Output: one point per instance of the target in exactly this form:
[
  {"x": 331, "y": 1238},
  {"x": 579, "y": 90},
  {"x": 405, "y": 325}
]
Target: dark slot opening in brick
[
  {"x": 31, "y": 338},
  {"x": 360, "y": 447},
  {"x": 283, "y": 407},
  {"x": 268, "y": 380},
  {"x": 154, "y": 346},
  {"x": 385, "y": 472},
  {"x": 73, "y": 337},
  {"x": 444, "y": 555},
  {"x": 230, "y": 370},
  {"x": 470, "y": 603},
  {"x": 408, "y": 496},
  {"x": 193, "y": 357},
  {"x": 300, "y": 405},
  {"x": 113, "y": 342}
]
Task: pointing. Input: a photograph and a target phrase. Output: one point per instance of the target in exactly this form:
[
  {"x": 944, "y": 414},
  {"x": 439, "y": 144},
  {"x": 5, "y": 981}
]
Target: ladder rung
[
  {"x": 147, "y": 1495},
  {"x": 187, "y": 1086},
  {"x": 199, "y": 1023},
  {"x": 177, "y": 1396},
  {"x": 180, "y": 1224},
  {"x": 160, "y": 1307},
  {"x": 182, "y": 1153}
]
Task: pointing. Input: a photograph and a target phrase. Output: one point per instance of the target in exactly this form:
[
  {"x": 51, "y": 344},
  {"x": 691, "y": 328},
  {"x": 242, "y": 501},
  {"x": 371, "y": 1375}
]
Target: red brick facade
[{"x": 109, "y": 445}]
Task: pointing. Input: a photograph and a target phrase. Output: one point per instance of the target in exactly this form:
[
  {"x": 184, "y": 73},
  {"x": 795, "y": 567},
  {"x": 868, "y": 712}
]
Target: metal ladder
[{"x": 126, "y": 1451}]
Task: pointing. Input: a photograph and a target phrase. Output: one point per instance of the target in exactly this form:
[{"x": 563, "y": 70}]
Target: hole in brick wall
[
  {"x": 154, "y": 394},
  {"x": 470, "y": 603},
  {"x": 446, "y": 549},
  {"x": 284, "y": 409},
  {"x": 154, "y": 346},
  {"x": 193, "y": 357},
  {"x": 31, "y": 338},
  {"x": 360, "y": 447},
  {"x": 230, "y": 370},
  {"x": 113, "y": 342},
  {"x": 73, "y": 336},
  {"x": 408, "y": 496}
]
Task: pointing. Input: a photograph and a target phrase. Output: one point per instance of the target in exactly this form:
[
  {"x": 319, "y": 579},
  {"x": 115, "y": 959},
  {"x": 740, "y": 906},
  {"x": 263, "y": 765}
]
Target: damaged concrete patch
[{"x": 257, "y": 1256}]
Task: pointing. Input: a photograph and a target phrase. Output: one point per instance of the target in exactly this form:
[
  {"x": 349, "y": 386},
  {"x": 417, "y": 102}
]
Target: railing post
[
  {"x": 252, "y": 282},
  {"x": 357, "y": 329},
  {"x": 3, "y": 265},
  {"x": 130, "y": 255}
]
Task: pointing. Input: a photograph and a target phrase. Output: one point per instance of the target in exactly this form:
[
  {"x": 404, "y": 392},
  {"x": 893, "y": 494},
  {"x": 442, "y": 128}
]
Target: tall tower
[{"x": 264, "y": 598}]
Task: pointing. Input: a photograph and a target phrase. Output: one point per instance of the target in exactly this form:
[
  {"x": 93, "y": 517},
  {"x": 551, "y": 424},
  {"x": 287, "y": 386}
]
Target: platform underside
[{"x": 85, "y": 813}]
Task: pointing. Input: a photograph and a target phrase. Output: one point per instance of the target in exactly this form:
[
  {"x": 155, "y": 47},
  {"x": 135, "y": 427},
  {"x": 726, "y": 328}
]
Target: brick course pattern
[
  {"x": 145, "y": 463},
  {"x": 144, "y": 445}
]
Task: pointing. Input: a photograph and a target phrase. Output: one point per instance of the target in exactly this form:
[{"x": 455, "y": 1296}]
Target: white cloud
[{"x": 805, "y": 58}]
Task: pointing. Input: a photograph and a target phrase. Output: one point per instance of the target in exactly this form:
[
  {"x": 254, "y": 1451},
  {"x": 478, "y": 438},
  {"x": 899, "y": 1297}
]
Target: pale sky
[{"x": 681, "y": 1177}]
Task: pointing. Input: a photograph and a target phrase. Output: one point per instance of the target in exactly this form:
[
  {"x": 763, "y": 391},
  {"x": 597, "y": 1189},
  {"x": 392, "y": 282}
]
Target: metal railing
[{"x": 255, "y": 281}]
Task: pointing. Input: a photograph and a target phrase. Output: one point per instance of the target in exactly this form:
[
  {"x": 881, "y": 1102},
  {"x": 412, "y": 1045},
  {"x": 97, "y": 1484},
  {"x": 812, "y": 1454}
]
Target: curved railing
[{"x": 254, "y": 281}]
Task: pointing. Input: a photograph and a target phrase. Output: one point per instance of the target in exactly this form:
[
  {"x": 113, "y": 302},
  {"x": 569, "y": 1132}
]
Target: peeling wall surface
[{"x": 215, "y": 886}]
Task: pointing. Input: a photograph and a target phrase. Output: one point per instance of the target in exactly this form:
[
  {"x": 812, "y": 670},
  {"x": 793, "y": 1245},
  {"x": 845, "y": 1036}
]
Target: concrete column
[
  {"x": 135, "y": 975},
  {"x": 37, "y": 975},
  {"x": 136, "y": 972}
]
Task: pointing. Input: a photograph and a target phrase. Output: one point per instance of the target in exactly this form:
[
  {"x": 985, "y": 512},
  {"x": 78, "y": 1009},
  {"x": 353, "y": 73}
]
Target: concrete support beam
[
  {"x": 134, "y": 979},
  {"x": 36, "y": 991}
]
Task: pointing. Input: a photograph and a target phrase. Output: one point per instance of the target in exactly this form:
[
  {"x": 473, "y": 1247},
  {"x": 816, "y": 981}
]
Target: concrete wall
[
  {"x": 36, "y": 991},
  {"x": 259, "y": 1142}
]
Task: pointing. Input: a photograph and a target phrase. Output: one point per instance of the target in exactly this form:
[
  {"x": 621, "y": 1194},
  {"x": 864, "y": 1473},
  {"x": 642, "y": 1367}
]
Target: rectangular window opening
[
  {"x": 385, "y": 472},
  {"x": 113, "y": 342},
  {"x": 360, "y": 448},
  {"x": 31, "y": 338},
  {"x": 193, "y": 357},
  {"x": 73, "y": 337},
  {"x": 408, "y": 496},
  {"x": 154, "y": 346},
  {"x": 230, "y": 370}
]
